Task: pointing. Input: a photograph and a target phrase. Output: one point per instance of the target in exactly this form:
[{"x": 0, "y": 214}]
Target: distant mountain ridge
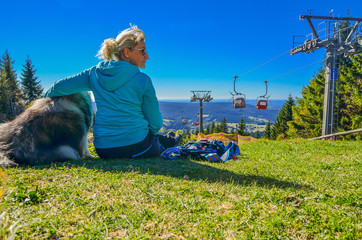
[
  {"x": 174, "y": 112},
  {"x": 274, "y": 103}
]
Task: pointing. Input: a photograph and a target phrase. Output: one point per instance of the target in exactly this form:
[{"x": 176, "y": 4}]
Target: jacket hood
[{"x": 114, "y": 74}]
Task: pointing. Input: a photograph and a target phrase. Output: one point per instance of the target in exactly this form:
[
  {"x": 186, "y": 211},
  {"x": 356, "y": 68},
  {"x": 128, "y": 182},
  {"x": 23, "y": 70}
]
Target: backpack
[{"x": 210, "y": 149}]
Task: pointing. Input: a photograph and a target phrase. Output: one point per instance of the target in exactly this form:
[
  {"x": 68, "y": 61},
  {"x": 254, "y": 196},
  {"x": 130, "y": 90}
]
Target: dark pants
[{"x": 151, "y": 146}]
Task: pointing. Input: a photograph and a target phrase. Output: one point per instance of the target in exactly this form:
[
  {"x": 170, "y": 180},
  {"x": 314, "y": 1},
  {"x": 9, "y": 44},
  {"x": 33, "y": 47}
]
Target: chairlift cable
[
  {"x": 265, "y": 63},
  {"x": 176, "y": 121},
  {"x": 184, "y": 108},
  {"x": 270, "y": 60},
  {"x": 294, "y": 70}
]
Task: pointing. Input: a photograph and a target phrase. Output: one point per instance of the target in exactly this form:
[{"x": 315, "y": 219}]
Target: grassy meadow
[{"x": 296, "y": 189}]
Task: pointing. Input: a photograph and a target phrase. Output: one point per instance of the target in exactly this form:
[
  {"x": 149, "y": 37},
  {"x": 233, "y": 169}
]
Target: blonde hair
[{"x": 113, "y": 48}]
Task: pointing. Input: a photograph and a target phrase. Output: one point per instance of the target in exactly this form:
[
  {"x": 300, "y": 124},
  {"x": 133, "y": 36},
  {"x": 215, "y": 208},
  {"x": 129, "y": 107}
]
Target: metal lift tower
[
  {"x": 202, "y": 96},
  {"x": 336, "y": 41}
]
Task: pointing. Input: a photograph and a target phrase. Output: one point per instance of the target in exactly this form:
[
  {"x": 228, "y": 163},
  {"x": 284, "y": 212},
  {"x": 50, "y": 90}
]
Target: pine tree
[
  {"x": 267, "y": 132},
  {"x": 223, "y": 126},
  {"x": 213, "y": 127},
  {"x": 240, "y": 128},
  {"x": 207, "y": 131},
  {"x": 280, "y": 127},
  {"x": 31, "y": 88},
  {"x": 350, "y": 107},
  {"x": 257, "y": 134},
  {"x": 187, "y": 132},
  {"x": 232, "y": 130},
  {"x": 308, "y": 114},
  {"x": 217, "y": 127},
  {"x": 186, "y": 135},
  {"x": 10, "y": 92},
  {"x": 4, "y": 93}
]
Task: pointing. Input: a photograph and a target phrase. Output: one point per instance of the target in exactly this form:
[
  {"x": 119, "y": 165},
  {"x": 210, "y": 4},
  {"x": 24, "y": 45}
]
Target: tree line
[
  {"x": 15, "y": 97},
  {"x": 222, "y": 127}
]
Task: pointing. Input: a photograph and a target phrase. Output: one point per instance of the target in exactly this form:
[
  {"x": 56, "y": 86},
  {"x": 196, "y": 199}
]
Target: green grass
[{"x": 276, "y": 190}]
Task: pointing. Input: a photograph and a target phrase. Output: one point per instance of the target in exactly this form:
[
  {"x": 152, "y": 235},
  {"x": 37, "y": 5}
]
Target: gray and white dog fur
[{"x": 51, "y": 129}]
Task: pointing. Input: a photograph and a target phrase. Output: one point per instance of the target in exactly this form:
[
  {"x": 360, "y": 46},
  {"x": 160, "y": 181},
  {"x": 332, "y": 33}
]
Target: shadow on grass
[{"x": 181, "y": 168}]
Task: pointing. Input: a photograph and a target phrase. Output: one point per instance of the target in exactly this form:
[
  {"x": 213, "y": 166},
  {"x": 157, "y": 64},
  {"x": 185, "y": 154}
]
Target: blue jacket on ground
[{"x": 127, "y": 106}]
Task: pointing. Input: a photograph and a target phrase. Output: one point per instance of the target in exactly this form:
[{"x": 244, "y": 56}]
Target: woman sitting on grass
[{"x": 128, "y": 117}]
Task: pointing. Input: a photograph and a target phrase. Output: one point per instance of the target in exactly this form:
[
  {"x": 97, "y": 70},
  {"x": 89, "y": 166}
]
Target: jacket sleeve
[
  {"x": 70, "y": 85},
  {"x": 151, "y": 108}
]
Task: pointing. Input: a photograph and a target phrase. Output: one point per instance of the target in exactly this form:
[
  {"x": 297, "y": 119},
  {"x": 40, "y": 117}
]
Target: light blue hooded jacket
[{"x": 127, "y": 106}]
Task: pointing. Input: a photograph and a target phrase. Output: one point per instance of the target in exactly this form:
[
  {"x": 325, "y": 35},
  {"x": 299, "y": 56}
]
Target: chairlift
[
  {"x": 239, "y": 102},
  {"x": 184, "y": 120},
  {"x": 197, "y": 123},
  {"x": 238, "y": 98},
  {"x": 262, "y": 101},
  {"x": 193, "y": 98},
  {"x": 262, "y": 104}
]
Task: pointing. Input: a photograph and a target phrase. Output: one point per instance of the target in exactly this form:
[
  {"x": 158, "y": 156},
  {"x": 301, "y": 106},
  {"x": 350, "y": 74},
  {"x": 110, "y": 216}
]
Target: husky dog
[{"x": 51, "y": 129}]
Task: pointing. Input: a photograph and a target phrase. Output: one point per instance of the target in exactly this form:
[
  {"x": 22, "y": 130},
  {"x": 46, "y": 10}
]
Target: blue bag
[{"x": 212, "y": 150}]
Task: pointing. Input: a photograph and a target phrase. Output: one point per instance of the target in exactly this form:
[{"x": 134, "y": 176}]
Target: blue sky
[{"x": 192, "y": 45}]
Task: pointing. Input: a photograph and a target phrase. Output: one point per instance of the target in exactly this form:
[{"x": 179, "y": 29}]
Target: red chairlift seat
[
  {"x": 197, "y": 123},
  {"x": 239, "y": 102},
  {"x": 184, "y": 121},
  {"x": 261, "y": 104},
  {"x": 262, "y": 101}
]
